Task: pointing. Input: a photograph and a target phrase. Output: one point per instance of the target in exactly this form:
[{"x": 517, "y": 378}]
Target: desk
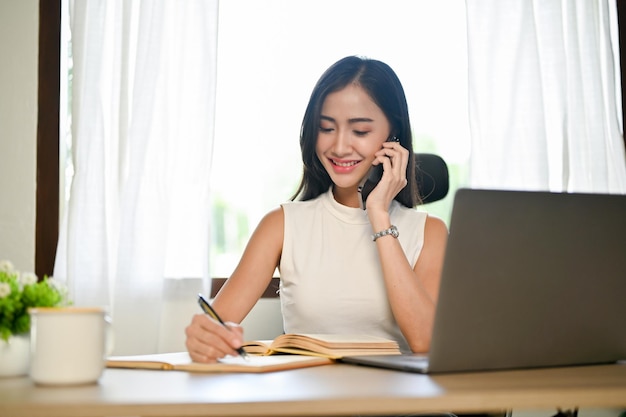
[{"x": 326, "y": 390}]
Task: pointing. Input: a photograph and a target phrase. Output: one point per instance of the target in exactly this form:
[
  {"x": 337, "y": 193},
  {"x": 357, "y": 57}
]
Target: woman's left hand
[{"x": 394, "y": 159}]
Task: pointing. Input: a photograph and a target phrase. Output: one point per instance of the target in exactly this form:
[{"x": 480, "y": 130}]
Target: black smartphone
[{"x": 372, "y": 179}]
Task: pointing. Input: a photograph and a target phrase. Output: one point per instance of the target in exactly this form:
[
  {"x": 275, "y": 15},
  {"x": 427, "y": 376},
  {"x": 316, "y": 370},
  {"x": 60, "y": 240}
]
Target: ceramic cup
[{"x": 68, "y": 345}]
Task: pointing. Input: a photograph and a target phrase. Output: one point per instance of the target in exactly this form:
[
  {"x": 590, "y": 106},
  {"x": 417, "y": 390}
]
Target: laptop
[{"x": 530, "y": 279}]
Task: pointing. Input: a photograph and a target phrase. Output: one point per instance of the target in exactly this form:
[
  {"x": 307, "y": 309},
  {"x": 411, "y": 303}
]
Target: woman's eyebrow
[
  {"x": 360, "y": 120},
  {"x": 352, "y": 120}
]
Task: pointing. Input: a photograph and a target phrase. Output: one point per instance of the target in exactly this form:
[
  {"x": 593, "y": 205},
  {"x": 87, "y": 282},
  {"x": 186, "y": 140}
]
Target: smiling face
[{"x": 352, "y": 129}]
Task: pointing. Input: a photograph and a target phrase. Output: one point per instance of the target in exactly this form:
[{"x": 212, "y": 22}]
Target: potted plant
[{"x": 19, "y": 292}]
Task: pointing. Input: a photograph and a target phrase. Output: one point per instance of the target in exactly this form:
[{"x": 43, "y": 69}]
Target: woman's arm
[
  {"x": 413, "y": 292},
  {"x": 208, "y": 340}
]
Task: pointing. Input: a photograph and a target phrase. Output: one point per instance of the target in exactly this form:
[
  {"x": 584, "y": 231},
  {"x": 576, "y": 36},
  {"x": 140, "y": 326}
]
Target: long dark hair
[{"x": 381, "y": 83}]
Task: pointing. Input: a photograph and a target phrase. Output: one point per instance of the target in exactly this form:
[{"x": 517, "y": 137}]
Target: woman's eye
[
  {"x": 326, "y": 129},
  {"x": 360, "y": 133}
]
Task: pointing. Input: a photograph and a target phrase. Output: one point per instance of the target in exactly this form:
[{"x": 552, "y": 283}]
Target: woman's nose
[{"x": 343, "y": 143}]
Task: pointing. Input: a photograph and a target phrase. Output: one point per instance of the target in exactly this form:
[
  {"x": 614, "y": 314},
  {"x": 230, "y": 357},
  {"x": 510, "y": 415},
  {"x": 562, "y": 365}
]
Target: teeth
[{"x": 345, "y": 164}]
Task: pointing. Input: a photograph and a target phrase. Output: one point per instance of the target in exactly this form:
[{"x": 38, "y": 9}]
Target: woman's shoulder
[
  {"x": 435, "y": 225},
  {"x": 274, "y": 216}
]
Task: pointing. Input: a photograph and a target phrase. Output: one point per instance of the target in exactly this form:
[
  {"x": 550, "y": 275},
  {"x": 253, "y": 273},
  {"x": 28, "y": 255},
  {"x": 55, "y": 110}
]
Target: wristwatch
[{"x": 393, "y": 231}]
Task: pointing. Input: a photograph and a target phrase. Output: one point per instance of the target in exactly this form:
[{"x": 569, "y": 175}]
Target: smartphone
[{"x": 372, "y": 179}]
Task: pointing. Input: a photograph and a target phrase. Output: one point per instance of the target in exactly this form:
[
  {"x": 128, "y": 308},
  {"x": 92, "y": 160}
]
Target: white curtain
[
  {"x": 544, "y": 96},
  {"x": 143, "y": 110}
]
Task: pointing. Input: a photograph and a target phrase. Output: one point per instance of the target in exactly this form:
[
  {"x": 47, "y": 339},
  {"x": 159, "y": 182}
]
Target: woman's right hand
[{"x": 208, "y": 340}]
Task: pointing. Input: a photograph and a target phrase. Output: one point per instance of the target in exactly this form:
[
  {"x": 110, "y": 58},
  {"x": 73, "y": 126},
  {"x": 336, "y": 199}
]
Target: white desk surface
[{"x": 331, "y": 390}]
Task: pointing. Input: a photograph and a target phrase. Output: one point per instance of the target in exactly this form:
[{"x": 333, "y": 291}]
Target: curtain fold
[
  {"x": 544, "y": 96},
  {"x": 143, "y": 103}
]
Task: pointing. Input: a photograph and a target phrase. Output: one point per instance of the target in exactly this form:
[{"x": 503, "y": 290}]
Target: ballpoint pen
[{"x": 206, "y": 307}]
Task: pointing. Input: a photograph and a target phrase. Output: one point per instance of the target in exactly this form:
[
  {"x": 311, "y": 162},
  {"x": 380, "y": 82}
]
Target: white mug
[{"x": 68, "y": 345}]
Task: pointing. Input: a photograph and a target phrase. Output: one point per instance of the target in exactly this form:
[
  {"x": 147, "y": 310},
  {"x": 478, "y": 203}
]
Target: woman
[{"x": 343, "y": 269}]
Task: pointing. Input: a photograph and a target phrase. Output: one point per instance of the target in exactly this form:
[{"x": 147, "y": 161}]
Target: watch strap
[{"x": 393, "y": 231}]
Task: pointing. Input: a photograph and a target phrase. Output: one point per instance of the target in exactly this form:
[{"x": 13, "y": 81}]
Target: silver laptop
[{"x": 530, "y": 279}]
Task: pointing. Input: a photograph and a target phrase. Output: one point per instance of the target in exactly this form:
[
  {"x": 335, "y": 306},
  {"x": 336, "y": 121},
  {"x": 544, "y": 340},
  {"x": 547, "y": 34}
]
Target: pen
[{"x": 206, "y": 307}]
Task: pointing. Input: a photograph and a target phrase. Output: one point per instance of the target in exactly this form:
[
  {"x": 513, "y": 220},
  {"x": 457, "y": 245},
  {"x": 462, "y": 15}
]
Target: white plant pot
[{"x": 14, "y": 356}]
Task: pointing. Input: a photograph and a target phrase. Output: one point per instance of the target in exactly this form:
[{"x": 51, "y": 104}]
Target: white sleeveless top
[{"x": 331, "y": 278}]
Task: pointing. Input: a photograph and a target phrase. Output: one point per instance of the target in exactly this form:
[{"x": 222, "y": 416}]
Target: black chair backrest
[{"x": 432, "y": 177}]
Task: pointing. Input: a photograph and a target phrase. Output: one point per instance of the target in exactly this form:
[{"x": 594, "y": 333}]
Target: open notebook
[
  {"x": 332, "y": 346},
  {"x": 530, "y": 279}
]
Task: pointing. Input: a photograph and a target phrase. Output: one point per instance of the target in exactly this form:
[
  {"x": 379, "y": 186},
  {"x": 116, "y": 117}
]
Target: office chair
[{"x": 431, "y": 172}]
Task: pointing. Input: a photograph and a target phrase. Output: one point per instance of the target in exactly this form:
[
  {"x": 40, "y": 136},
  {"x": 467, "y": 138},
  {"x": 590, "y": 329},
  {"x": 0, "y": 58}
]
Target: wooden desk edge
[{"x": 469, "y": 403}]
